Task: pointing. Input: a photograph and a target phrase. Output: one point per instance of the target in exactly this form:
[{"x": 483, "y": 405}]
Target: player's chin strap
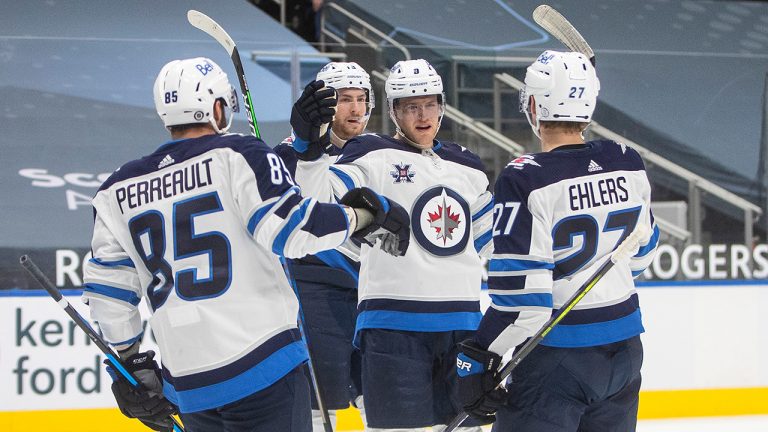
[
  {"x": 336, "y": 140},
  {"x": 534, "y": 122},
  {"x": 212, "y": 120}
]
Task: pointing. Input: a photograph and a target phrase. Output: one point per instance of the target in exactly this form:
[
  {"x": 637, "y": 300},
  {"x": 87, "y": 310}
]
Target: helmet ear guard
[
  {"x": 185, "y": 92},
  {"x": 564, "y": 86}
]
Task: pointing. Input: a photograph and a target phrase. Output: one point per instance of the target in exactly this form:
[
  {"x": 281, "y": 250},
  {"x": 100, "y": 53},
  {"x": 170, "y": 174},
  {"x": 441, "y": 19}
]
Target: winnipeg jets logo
[
  {"x": 439, "y": 221},
  {"x": 402, "y": 173},
  {"x": 522, "y": 161},
  {"x": 444, "y": 221}
]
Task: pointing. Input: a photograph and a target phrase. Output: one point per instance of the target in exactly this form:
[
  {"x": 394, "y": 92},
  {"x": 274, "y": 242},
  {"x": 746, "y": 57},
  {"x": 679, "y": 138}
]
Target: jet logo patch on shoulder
[
  {"x": 439, "y": 221},
  {"x": 402, "y": 173},
  {"x": 522, "y": 161}
]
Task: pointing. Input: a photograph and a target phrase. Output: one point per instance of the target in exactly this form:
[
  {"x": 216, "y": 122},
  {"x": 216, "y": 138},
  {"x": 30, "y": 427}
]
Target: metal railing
[
  {"x": 324, "y": 31},
  {"x": 696, "y": 183},
  {"x": 294, "y": 58}
]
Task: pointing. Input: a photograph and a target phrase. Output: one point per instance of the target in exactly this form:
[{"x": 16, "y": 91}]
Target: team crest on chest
[
  {"x": 402, "y": 173},
  {"x": 440, "y": 221}
]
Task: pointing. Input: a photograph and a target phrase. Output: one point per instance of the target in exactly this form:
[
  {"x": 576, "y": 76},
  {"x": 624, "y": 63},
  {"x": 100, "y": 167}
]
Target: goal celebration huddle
[{"x": 344, "y": 267}]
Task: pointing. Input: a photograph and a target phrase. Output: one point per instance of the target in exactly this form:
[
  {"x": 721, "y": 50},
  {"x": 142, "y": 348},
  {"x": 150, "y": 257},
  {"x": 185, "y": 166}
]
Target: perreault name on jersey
[{"x": 165, "y": 186}]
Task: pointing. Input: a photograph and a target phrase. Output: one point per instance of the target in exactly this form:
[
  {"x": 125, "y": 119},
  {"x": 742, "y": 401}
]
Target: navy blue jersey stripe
[
  {"x": 419, "y": 306},
  {"x": 504, "y": 283},
  {"x": 601, "y": 314},
  {"x": 324, "y": 220},
  {"x": 259, "y": 377},
  {"x": 235, "y": 368}
]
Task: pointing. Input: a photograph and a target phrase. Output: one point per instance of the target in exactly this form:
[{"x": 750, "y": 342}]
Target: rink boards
[{"x": 705, "y": 343}]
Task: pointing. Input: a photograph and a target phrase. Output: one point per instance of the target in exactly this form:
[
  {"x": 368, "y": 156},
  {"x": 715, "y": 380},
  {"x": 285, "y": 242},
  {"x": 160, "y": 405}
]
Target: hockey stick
[
  {"x": 313, "y": 376},
  {"x": 621, "y": 253},
  {"x": 214, "y": 30},
  {"x": 559, "y": 27},
  {"x": 112, "y": 356}
]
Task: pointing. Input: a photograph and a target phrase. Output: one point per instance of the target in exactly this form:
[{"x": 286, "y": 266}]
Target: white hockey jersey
[
  {"x": 435, "y": 286},
  {"x": 196, "y": 228},
  {"x": 557, "y": 217}
]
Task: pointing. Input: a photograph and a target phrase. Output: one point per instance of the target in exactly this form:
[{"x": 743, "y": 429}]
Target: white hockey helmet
[
  {"x": 185, "y": 92},
  {"x": 564, "y": 86},
  {"x": 409, "y": 78},
  {"x": 341, "y": 75}
]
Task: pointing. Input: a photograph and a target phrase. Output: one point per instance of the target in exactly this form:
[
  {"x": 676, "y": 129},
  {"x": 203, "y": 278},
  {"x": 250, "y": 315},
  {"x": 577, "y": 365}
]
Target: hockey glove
[
  {"x": 146, "y": 404},
  {"x": 310, "y": 116},
  {"x": 391, "y": 223},
  {"x": 478, "y": 380}
]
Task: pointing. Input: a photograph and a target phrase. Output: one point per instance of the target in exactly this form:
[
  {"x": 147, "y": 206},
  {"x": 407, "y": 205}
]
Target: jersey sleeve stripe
[
  {"x": 524, "y": 300},
  {"x": 267, "y": 208},
  {"x": 113, "y": 292},
  {"x": 344, "y": 177},
  {"x": 645, "y": 250},
  {"x": 323, "y": 220},
  {"x": 508, "y": 264},
  {"x": 483, "y": 211},
  {"x": 124, "y": 262},
  {"x": 482, "y": 241},
  {"x": 295, "y": 220}
]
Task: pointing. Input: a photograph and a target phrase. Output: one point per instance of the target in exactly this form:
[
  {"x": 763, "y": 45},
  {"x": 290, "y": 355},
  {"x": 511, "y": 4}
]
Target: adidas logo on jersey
[
  {"x": 167, "y": 160},
  {"x": 593, "y": 166}
]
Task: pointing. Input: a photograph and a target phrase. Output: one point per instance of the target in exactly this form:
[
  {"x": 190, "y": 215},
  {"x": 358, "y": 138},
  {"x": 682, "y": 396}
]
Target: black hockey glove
[
  {"x": 478, "y": 379},
  {"x": 391, "y": 223},
  {"x": 146, "y": 404},
  {"x": 310, "y": 116}
]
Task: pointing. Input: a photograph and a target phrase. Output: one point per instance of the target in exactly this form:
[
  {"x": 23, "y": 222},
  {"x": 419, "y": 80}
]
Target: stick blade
[
  {"x": 558, "y": 26},
  {"x": 212, "y": 28}
]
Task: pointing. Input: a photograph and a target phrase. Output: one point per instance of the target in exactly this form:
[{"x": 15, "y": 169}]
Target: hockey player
[
  {"x": 558, "y": 215},
  {"x": 327, "y": 281},
  {"x": 412, "y": 311},
  {"x": 196, "y": 229}
]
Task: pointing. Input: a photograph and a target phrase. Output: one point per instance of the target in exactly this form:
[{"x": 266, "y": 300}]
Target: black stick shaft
[{"x": 114, "y": 359}]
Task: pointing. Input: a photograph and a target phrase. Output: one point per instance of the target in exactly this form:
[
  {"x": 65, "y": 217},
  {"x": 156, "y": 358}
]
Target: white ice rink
[
  {"x": 708, "y": 424},
  {"x": 704, "y": 424}
]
